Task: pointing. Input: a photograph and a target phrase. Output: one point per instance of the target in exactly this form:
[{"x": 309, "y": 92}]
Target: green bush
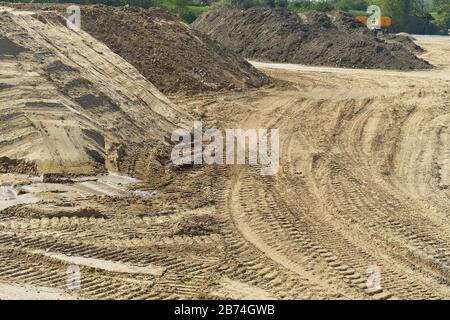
[
  {"x": 188, "y": 10},
  {"x": 354, "y": 5},
  {"x": 441, "y": 14},
  {"x": 305, "y": 5}
]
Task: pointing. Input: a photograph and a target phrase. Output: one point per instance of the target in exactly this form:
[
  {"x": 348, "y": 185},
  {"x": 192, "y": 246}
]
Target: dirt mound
[
  {"x": 167, "y": 51},
  {"x": 9, "y": 48},
  {"x": 403, "y": 39},
  {"x": 33, "y": 211},
  {"x": 313, "y": 38},
  {"x": 197, "y": 225},
  {"x": 8, "y": 165},
  {"x": 69, "y": 104}
]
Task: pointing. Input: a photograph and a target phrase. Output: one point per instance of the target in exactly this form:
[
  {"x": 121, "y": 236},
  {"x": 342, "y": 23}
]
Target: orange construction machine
[{"x": 382, "y": 25}]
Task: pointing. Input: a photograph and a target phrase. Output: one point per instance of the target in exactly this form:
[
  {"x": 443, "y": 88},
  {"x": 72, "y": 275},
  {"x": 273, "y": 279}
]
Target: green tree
[
  {"x": 441, "y": 14},
  {"x": 281, "y": 3},
  {"x": 399, "y": 10},
  {"x": 347, "y": 5}
]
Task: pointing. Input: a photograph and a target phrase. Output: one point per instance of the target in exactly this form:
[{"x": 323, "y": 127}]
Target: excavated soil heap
[
  {"x": 313, "y": 38},
  {"x": 405, "y": 40},
  {"x": 167, "y": 51},
  {"x": 69, "y": 104}
]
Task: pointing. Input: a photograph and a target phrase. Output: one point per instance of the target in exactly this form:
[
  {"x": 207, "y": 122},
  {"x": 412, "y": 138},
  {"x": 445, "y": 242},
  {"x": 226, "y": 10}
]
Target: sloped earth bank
[
  {"x": 405, "y": 39},
  {"x": 313, "y": 38},
  {"x": 364, "y": 186},
  {"x": 166, "y": 50},
  {"x": 69, "y": 104}
]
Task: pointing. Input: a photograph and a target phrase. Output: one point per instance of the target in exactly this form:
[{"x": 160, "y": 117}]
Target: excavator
[
  {"x": 375, "y": 21},
  {"x": 382, "y": 26}
]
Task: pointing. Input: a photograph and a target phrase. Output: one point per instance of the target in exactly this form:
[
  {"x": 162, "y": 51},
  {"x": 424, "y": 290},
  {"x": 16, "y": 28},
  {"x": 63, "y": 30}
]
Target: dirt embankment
[
  {"x": 166, "y": 50},
  {"x": 313, "y": 38},
  {"x": 68, "y": 103},
  {"x": 405, "y": 40},
  {"x": 8, "y": 165}
]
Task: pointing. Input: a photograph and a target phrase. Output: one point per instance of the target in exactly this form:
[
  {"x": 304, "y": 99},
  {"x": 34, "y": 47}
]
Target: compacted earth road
[{"x": 364, "y": 185}]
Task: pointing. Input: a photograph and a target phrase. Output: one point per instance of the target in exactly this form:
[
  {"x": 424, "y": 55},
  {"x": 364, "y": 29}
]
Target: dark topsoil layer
[
  {"x": 405, "y": 40},
  {"x": 167, "y": 51},
  {"x": 313, "y": 38},
  {"x": 8, "y": 165},
  {"x": 9, "y": 48}
]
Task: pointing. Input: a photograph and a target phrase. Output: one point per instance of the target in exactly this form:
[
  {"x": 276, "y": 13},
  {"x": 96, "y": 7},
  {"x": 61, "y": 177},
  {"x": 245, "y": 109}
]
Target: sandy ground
[
  {"x": 68, "y": 103},
  {"x": 364, "y": 188}
]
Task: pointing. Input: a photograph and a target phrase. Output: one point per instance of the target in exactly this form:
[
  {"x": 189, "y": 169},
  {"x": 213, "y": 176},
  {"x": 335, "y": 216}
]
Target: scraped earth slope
[
  {"x": 363, "y": 186},
  {"x": 313, "y": 38},
  {"x": 166, "y": 50},
  {"x": 67, "y": 103}
]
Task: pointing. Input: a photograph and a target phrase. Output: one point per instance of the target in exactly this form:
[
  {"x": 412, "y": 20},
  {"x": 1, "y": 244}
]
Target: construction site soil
[
  {"x": 358, "y": 210},
  {"x": 164, "y": 49},
  {"x": 313, "y": 38},
  {"x": 404, "y": 39},
  {"x": 69, "y": 104}
]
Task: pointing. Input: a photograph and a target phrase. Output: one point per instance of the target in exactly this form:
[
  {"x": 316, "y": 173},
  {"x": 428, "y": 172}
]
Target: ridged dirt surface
[
  {"x": 364, "y": 185},
  {"x": 67, "y": 102}
]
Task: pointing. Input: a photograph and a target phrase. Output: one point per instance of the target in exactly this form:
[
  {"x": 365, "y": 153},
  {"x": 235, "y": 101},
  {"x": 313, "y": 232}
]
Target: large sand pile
[
  {"x": 312, "y": 38},
  {"x": 69, "y": 104},
  {"x": 167, "y": 51}
]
